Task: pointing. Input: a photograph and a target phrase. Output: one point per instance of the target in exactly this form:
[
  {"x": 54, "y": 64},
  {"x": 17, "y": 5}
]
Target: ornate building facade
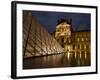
[
  {"x": 80, "y": 41},
  {"x": 63, "y": 32},
  {"x": 72, "y": 40}
]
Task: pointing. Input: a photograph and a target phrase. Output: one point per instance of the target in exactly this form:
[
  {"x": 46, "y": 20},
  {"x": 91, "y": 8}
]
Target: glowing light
[
  {"x": 68, "y": 55},
  {"x": 82, "y": 39}
]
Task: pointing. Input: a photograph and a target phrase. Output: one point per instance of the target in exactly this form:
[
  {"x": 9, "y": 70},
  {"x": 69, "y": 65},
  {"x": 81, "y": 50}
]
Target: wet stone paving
[{"x": 73, "y": 59}]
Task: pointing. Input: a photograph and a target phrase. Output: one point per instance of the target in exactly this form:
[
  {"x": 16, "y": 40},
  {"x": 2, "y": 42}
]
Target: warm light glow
[
  {"x": 82, "y": 39},
  {"x": 68, "y": 55}
]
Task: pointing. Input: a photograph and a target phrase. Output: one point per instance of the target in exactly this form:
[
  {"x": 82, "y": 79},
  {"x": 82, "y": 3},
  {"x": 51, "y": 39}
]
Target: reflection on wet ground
[{"x": 73, "y": 59}]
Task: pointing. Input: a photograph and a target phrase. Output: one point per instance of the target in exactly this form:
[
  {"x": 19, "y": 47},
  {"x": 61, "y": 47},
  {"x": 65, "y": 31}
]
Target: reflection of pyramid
[{"x": 36, "y": 40}]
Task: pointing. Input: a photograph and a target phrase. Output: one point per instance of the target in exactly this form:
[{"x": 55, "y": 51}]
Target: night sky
[{"x": 80, "y": 21}]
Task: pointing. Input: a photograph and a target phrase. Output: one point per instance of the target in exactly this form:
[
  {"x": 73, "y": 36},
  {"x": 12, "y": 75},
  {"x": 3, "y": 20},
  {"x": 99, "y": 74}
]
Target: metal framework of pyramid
[{"x": 36, "y": 39}]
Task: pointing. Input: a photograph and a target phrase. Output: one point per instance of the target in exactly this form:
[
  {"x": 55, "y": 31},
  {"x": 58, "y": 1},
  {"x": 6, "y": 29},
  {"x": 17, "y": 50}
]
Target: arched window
[
  {"x": 82, "y": 39},
  {"x": 78, "y": 39}
]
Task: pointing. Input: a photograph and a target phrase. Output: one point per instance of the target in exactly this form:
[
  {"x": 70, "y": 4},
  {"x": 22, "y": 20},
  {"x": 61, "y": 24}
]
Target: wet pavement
[{"x": 73, "y": 59}]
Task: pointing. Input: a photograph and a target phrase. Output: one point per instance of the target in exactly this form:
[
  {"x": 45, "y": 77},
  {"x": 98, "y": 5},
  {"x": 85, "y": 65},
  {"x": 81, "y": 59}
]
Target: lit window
[
  {"x": 78, "y": 39},
  {"x": 86, "y": 39},
  {"x": 82, "y": 39}
]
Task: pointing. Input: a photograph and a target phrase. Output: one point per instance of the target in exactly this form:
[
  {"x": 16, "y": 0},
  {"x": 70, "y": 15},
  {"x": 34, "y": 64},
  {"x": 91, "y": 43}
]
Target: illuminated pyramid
[{"x": 36, "y": 39}]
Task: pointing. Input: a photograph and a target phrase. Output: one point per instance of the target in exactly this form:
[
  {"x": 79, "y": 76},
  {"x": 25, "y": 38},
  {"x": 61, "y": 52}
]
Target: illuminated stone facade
[
  {"x": 63, "y": 32},
  {"x": 80, "y": 41},
  {"x": 71, "y": 40}
]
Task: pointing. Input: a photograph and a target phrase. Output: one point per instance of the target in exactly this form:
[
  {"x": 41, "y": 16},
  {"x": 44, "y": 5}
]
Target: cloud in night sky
[{"x": 80, "y": 21}]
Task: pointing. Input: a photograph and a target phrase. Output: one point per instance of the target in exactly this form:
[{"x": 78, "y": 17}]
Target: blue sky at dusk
[{"x": 80, "y": 21}]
